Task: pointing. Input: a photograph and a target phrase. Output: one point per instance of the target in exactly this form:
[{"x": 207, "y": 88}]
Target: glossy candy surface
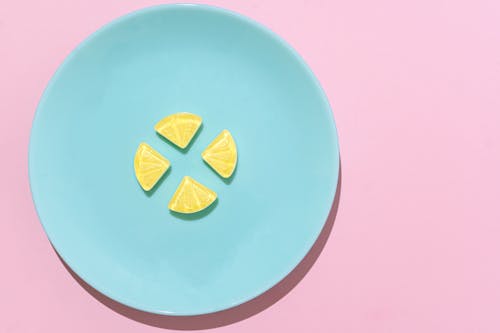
[
  {"x": 191, "y": 197},
  {"x": 221, "y": 154},
  {"x": 149, "y": 166},
  {"x": 179, "y": 128}
]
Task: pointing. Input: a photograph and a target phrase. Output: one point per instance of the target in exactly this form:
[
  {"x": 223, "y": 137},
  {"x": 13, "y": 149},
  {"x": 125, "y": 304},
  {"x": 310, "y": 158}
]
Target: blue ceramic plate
[{"x": 105, "y": 99}]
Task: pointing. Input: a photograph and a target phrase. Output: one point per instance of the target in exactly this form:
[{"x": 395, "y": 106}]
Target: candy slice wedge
[
  {"x": 221, "y": 154},
  {"x": 149, "y": 166},
  {"x": 191, "y": 197},
  {"x": 179, "y": 128}
]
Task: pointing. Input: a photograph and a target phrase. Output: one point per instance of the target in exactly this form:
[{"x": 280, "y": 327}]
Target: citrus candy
[
  {"x": 149, "y": 166},
  {"x": 221, "y": 154},
  {"x": 179, "y": 128},
  {"x": 191, "y": 197}
]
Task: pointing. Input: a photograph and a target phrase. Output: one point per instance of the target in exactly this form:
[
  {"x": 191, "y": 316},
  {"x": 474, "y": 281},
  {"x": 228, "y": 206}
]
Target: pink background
[{"x": 415, "y": 88}]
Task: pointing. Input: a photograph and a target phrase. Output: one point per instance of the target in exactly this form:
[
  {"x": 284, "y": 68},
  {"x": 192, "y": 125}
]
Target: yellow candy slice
[
  {"x": 191, "y": 197},
  {"x": 179, "y": 128},
  {"x": 149, "y": 166},
  {"x": 221, "y": 154}
]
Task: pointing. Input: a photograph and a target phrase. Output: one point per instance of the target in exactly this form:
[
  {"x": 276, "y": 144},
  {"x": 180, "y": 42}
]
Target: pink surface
[{"x": 415, "y": 88}]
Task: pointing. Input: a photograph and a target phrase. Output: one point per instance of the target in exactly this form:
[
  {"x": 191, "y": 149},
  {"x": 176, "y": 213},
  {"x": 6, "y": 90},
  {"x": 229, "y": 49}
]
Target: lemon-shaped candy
[
  {"x": 149, "y": 166},
  {"x": 221, "y": 154},
  {"x": 191, "y": 197},
  {"x": 179, "y": 128}
]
